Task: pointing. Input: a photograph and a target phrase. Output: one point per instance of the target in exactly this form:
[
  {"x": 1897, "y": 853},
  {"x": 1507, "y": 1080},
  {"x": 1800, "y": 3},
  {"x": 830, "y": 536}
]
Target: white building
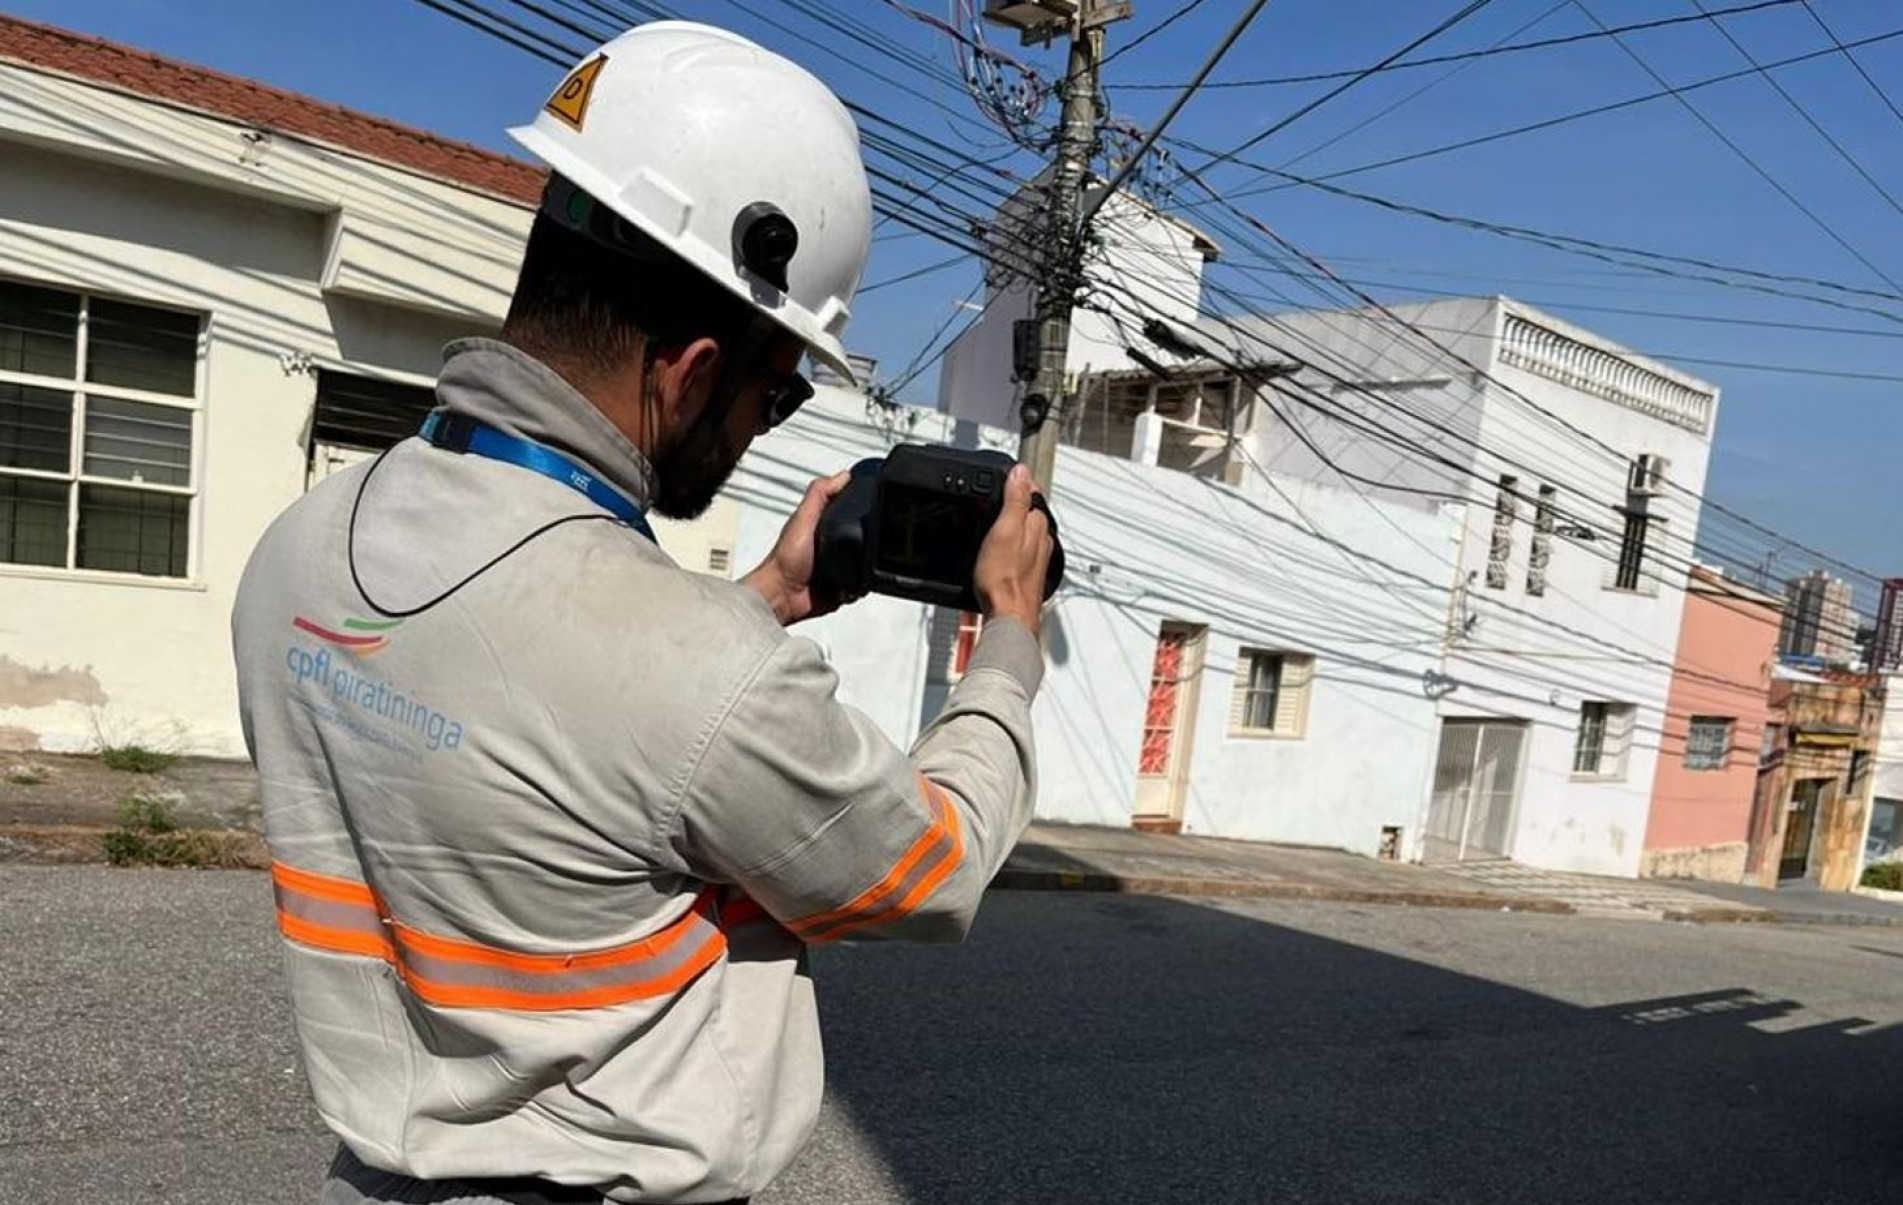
[
  {"x": 1582, "y": 463},
  {"x": 206, "y": 286},
  {"x": 1215, "y": 665},
  {"x": 1154, "y": 260}
]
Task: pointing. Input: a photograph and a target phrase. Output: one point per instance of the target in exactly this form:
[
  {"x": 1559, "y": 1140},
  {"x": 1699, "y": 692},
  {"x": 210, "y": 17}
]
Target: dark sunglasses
[{"x": 786, "y": 392}]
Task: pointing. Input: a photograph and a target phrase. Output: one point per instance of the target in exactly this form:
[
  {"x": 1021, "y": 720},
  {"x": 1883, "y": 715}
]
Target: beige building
[{"x": 212, "y": 293}]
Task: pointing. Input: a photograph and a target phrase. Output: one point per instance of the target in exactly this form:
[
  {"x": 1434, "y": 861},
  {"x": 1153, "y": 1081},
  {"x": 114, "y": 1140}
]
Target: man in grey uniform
[{"x": 553, "y": 820}]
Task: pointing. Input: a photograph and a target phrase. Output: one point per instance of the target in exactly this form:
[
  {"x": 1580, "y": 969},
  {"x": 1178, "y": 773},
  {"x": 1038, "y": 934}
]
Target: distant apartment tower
[
  {"x": 1818, "y": 619},
  {"x": 1886, "y": 648}
]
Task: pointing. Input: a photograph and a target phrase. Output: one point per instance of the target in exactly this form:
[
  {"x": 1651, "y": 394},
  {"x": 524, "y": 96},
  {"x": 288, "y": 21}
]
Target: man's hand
[
  {"x": 785, "y": 578},
  {"x": 1015, "y": 555}
]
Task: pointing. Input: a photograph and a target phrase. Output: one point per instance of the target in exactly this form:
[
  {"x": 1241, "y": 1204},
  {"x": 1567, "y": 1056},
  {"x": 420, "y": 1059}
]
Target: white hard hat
[{"x": 699, "y": 138}]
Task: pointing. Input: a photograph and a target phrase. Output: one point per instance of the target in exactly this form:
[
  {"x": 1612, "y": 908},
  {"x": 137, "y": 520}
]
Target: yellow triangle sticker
[{"x": 570, "y": 101}]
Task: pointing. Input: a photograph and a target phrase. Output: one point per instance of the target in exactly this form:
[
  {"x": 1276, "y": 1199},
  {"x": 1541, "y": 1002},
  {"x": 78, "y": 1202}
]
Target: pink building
[{"x": 1715, "y": 718}]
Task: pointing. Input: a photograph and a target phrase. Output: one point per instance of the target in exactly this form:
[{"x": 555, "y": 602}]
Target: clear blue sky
[{"x": 1805, "y": 454}]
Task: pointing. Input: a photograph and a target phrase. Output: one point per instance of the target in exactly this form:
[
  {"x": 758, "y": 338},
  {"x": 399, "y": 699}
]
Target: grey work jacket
[{"x": 549, "y": 853}]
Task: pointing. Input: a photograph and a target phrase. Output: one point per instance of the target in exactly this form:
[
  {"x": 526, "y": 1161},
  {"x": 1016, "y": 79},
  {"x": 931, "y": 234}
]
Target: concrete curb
[
  {"x": 78, "y": 844},
  {"x": 1759, "y": 916},
  {"x": 1021, "y": 879}
]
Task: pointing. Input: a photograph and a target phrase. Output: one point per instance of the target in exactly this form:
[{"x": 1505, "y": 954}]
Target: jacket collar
[{"x": 512, "y": 391}]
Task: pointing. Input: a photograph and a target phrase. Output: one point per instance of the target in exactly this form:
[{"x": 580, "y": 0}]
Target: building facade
[
  {"x": 1575, "y": 466},
  {"x": 1216, "y": 665},
  {"x": 1819, "y": 620},
  {"x": 1883, "y": 839},
  {"x": 1716, "y": 719},
  {"x": 1811, "y": 816},
  {"x": 200, "y": 278}
]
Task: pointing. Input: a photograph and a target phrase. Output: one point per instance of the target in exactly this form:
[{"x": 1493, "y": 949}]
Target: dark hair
[{"x": 583, "y": 303}]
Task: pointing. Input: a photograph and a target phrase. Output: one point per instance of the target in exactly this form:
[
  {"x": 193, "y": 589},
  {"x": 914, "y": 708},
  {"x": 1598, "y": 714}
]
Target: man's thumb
[{"x": 1018, "y": 488}]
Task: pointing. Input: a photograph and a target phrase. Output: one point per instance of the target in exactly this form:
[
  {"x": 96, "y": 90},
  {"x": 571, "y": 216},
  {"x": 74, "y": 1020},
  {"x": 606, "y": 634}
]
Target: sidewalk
[
  {"x": 1803, "y": 903},
  {"x": 1063, "y": 857},
  {"x": 56, "y": 808},
  {"x": 1059, "y": 857}
]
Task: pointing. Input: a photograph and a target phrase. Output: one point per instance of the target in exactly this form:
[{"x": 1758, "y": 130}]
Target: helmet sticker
[{"x": 570, "y": 101}]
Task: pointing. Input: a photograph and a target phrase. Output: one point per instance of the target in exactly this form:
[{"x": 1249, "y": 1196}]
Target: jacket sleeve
[{"x": 801, "y": 802}]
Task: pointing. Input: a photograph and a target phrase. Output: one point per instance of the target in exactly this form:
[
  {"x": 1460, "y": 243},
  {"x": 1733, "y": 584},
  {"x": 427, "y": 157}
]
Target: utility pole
[{"x": 1062, "y": 270}]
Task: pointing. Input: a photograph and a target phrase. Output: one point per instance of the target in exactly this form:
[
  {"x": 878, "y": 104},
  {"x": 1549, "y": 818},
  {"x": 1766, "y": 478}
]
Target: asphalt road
[{"x": 1078, "y": 1048}]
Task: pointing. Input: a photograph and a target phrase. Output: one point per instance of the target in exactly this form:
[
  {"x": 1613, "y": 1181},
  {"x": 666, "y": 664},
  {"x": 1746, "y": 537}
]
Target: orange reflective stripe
[
  {"x": 929, "y": 861},
  {"x": 304, "y": 882},
  {"x": 346, "y": 917},
  {"x": 871, "y": 896},
  {"x": 451, "y": 949}
]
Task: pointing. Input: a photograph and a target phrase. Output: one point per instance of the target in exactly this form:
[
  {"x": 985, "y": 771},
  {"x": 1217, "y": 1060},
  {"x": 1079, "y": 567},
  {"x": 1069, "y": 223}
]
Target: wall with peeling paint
[{"x": 118, "y": 195}]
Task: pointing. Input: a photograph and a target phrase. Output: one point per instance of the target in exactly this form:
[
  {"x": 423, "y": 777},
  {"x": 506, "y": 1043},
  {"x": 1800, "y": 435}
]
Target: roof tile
[{"x": 128, "y": 69}]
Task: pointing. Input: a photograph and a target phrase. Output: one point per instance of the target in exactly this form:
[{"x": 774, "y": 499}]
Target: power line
[
  {"x": 1468, "y": 10},
  {"x": 1566, "y": 424},
  {"x": 1558, "y": 303},
  {"x": 1605, "y": 252},
  {"x": 914, "y": 370},
  {"x": 1468, "y": 56},
  {"x": 1545, "y": 453},
  {"x": 919, "y": 363},
  {"x": 1804, "y": 113},
  {"x": 1744, "y": 155},
  {"x": 498, "y": 31},
  {"x": 1181, "y": 11},
  {"x": 1126, "y": 300},
  {"x": 1582, "y": 114},
  {"x": 914, "y": 274},
  {"x": 1410, "y": 97},
  {"x": 1176, "y": 106},
  {"x": 1834, "y": 41}
]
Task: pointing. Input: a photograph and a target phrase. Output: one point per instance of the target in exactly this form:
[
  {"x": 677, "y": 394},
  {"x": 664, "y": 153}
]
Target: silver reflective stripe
[
  {"x": 649, "y": 974},
  {"x": 331, "y": 914}
]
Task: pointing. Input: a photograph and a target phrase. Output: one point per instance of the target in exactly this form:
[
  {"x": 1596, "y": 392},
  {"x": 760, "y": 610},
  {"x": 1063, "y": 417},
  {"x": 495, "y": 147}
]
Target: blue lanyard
[{"x": 461, "y": 433}]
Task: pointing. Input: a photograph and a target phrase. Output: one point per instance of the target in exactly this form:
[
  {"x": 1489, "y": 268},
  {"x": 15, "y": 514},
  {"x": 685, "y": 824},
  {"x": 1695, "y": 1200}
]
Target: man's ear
[{"x": 683, "y": 383}]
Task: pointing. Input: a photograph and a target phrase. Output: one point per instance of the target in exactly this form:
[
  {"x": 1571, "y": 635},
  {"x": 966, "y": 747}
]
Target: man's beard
[{"x": 688, "y": 479}]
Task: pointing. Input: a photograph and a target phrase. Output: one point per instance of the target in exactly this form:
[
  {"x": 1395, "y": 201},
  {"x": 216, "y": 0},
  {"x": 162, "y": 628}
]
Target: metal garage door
[{"x": 1476, "y": 783}]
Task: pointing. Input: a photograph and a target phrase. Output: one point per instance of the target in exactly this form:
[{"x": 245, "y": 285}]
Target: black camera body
[{"x": 910, "y": 526}]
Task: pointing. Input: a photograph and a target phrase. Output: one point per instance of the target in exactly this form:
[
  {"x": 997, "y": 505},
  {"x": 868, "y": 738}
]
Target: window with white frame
[
  {"x": 1605, "y": 732},
  {"x": 98, "y": 410},
  {"x": 1270, "y": 697},
  {"x": 1707, "y": 742}
]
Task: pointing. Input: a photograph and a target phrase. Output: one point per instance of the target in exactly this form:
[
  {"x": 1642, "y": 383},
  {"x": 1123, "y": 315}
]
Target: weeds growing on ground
[
  {"x": 149, "y": 835},
  {"x": 23, "y": 774},
  {"x": 136, "y": 759}
]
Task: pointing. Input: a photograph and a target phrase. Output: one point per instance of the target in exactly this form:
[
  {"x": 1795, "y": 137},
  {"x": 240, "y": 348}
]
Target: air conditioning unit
[{"x": 1646, "y": 476}]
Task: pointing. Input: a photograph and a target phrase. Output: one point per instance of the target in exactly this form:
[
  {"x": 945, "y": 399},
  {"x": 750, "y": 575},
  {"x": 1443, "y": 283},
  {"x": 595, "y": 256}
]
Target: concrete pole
[{"x": 1063, "y": 269}]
